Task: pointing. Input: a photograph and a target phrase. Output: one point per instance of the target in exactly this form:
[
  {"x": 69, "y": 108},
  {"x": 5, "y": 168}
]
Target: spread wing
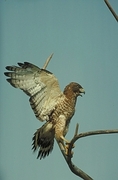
[{"x": 41, "y": 85}]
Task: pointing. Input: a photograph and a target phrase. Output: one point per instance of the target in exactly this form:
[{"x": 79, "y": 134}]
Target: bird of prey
[{"x": 48, "y": 102}]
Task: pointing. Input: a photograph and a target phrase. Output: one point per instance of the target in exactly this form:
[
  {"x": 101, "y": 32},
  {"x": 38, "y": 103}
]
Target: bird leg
[{"x": 66, "y": 145}]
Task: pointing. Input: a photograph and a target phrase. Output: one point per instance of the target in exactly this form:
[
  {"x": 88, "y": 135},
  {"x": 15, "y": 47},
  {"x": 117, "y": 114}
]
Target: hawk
[{"x": 48, "y": 102}]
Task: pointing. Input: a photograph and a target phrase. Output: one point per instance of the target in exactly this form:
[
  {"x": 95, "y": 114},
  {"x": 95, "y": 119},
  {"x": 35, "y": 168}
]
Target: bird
[{"x": 50, "y": 105}]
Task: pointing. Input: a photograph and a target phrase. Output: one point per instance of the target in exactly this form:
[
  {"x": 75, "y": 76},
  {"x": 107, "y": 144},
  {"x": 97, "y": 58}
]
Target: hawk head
[
  {"x": 74, "y": 88},
  {"x": 77, "y": 89}
]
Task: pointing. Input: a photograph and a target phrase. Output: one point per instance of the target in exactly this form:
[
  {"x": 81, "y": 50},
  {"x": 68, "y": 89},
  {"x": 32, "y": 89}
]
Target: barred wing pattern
[{"x": 41, "y": 85}]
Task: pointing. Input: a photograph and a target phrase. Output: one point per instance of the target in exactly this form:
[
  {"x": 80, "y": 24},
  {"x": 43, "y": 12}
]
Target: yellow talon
[
  {"x": 66, "y": 149},
  {"x": 66, "y": 146}
]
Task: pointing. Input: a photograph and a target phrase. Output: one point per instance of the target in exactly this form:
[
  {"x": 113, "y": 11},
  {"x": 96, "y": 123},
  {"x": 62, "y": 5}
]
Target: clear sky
[{"x": 83, "y": 35}]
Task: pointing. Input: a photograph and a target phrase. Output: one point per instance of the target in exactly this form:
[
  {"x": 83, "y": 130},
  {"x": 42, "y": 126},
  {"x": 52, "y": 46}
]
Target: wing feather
[{"x": 41, "y": 85}]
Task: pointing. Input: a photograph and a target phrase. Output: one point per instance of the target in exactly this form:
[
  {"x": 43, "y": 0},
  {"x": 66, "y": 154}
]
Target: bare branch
[
  {"x": 90, "y": 133},
  {"x": 72, "y": 167},
  {"x": 111, "y": 9},
  {"x": 76, "y": 130},
  {"x": 77, "y": 136},
  {"x": 47, "y": 61}
]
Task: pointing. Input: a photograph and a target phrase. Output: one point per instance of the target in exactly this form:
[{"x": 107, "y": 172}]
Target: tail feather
[
  {"x": 43, "y": 152},
  {"x": 43, "y": 142}
]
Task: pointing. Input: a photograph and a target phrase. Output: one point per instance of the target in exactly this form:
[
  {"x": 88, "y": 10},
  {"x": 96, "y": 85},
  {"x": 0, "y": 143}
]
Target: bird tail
[{"x": 44, "y": 140}]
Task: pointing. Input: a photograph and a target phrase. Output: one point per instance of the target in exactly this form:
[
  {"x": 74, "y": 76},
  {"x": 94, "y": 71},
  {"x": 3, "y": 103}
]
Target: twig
[
  {"x": 77, "y": 136},
  {"x": 76, "y": 130},
  {"x": 111, "y": 9},
  {"x": 74, "y": 139},
  {"x": 90, "y": 133},
  {"x": 47, "y": 61},
  {"x": 72, "y": 167}
]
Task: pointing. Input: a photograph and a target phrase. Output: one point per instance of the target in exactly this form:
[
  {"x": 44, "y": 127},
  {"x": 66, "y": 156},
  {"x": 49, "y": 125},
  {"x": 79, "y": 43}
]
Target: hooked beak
[{"x": 81, "y": 91}]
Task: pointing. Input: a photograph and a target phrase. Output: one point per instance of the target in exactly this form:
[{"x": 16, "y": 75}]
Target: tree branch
[
  {"x": 111, "y": 9},
  {"x": 74, "y": 139},
  {"x": 73, "y": 167},
  {"x": 77, "y": 136},
  {"x": 47, "y": 61}
]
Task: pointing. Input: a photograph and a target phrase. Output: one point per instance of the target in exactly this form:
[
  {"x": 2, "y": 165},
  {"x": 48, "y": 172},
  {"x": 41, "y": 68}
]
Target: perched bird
[{"x": 48, "y": 103}]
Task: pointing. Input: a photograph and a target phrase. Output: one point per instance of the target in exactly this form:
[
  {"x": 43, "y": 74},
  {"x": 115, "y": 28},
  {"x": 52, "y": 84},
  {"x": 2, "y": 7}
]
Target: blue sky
[{"x": 83, "y": 35}]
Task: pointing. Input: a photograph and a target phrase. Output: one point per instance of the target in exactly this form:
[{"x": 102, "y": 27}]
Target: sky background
[{"x": 83, "y": 35}]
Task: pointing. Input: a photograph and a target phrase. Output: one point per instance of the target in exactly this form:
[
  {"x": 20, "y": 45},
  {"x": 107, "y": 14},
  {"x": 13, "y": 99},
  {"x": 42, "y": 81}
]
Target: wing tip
[{"x": 9, "y": 68}]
